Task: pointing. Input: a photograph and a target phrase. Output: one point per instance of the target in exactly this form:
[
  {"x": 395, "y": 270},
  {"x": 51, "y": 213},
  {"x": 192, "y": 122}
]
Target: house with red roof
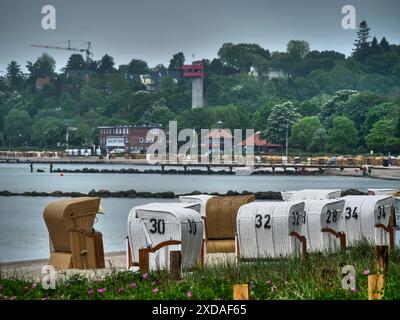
[{"x": 261, "y": 145}]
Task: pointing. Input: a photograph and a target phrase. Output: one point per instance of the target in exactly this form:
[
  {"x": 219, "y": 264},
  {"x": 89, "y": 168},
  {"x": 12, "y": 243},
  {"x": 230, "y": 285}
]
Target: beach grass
[{"x": 318, "y": 277}]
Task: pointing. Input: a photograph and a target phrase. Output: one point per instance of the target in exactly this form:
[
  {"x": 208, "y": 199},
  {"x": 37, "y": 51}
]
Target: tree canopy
[{"x": 327, "y": 102}]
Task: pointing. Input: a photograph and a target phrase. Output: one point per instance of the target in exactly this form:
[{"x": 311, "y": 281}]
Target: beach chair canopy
[
  {"x": 322, "y": 214},
  {"x": 379, "y": 192},
  {"x": 221, "y": 213},
  {"x": 200, "y": 199},
  {"x": 154, "y": 223},
  {"x": 361, "y": 215},
  {"x": 264, "y": 228},
  {"x": 63, "y": 216},
  {"x": 311, "y": 194}
]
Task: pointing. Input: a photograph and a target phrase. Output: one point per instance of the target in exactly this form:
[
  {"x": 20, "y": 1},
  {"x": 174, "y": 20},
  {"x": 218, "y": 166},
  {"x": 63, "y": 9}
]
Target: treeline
[{"x": 324, "y": 101}]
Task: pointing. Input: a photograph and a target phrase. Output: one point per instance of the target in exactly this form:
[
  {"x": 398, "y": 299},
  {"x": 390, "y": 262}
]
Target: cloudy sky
[{"x": 153, "y": 30}]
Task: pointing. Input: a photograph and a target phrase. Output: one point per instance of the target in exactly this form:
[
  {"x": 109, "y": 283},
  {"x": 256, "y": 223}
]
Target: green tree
[
  {"x": 381, "y": 137},
  {"x": 298, "y": 49},
  {"x": 343, "y": 136},
  {"x": 374, "y": 48},
  {"x": 384, "y": 44},
  {"x": 319, "y": 140},
  {"x": 48, "y": 131},
  {"x": 159, "y": 68},
  {"x": 136, "y": 105},
  {"x": 177, "y": 61},
  {"x": 334, "y": 106},
  {"x": 233, "y": 116},
  {"x": 86, "y": 134},
  {"x": 137, "y": 66},
  {"x": 241, "y": 56},
  {"x": 44, "y": 66},
  {"x": 259, "y": 119},
  {"x": 91, "y": 98},
  {"x": 14, "y": 75},
  {"x": 303, "y": 132},
  {"x": 159, "y": 113},
  {"x": 106, "y": 64},
  {"x": 199, "y": 118},
  {"x": 75, "y": 62},
  {"x": 380, "y": 111},
  {"x": 362, "y": 44},
  {"x": 357, "y": 106},
  {"x": 17, "y": 126},
  {"x": 280, "y": 121}
]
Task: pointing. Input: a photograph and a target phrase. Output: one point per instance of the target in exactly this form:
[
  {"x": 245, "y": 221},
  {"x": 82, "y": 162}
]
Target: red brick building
[{"x": 129, "y": 138}]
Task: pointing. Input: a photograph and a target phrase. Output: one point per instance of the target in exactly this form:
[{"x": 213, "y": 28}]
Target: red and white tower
[{"x": 195, "y": 71}]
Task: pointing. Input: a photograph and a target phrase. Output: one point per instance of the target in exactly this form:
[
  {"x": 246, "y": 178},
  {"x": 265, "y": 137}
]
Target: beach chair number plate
[
  {"x": 259, "y": 221},
  {"x": 296, "y": 220},
  {"x": 192, "y": 227},
  {"x": 381, "y": 212},
  {"x": 158, "y": 226},
  {"x": 351, "y": 213},
  {"x": 332, "y": 216}
]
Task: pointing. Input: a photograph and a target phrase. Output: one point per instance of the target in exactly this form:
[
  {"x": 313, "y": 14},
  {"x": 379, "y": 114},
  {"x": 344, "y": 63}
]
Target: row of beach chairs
[{"x": 312, "y": 220}]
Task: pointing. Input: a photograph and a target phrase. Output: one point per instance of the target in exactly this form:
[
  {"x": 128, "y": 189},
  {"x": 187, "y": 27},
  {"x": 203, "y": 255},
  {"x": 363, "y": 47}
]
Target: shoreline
[
  {"x": 377, "y": 172},
  {"x": 259, "y": 195}
]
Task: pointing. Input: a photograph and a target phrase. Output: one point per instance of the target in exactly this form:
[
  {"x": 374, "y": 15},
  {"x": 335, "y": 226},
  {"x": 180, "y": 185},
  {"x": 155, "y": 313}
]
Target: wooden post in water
[
  {"x": 240, "y": 292},
  {"x": 175, "y": 264},
  {"x": 382, "y": 258},
  {"x": 376, "y": 283}
]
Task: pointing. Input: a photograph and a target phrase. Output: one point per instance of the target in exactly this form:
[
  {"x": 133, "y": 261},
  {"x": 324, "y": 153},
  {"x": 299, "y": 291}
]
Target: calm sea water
[
  {"x": 23, "y": 233},
  {"x": 17, "y": 178}
]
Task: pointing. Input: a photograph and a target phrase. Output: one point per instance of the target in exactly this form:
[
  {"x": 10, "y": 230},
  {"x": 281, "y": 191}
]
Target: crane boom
[{"x": 87, "y": 49}]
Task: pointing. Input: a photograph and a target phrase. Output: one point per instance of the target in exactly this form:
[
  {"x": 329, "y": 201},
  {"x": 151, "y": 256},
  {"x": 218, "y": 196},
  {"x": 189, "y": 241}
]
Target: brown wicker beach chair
[
  {"x": 74, "y": 242},
  {"x": 220, "y": 222}
]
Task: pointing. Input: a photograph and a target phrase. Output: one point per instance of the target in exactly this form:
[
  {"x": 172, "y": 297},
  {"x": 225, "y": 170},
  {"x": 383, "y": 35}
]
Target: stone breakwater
[
  {"x": 184, "y": 172},
  {"x": 261, "y": 195}
]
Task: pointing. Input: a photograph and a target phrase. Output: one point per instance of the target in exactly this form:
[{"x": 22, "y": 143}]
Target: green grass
[{"x": 317, "y": 278}]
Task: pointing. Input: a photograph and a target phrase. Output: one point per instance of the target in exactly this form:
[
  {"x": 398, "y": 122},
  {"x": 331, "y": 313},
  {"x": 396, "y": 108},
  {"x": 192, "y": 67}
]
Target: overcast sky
[{"x": 153, "y": 30}]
